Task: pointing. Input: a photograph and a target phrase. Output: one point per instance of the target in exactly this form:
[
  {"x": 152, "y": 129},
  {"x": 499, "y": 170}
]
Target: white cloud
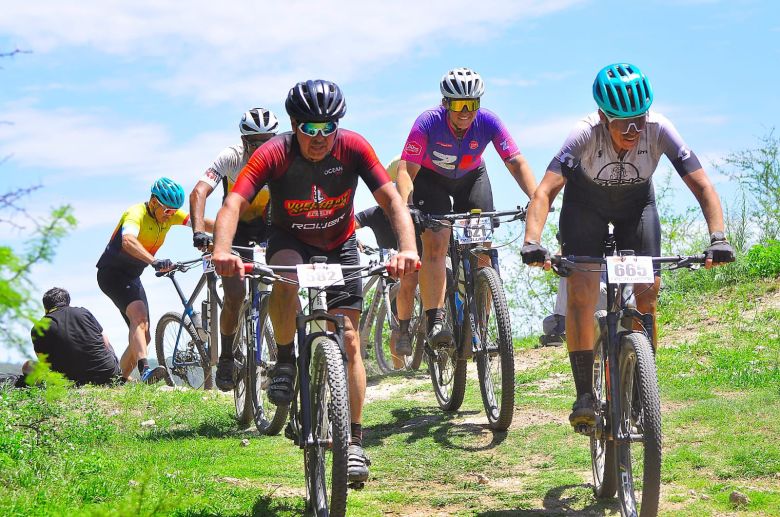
[
  {"x": 548, "y": 134},
  {"x": 95, "y": 144},
  {"x": 220, "y": 50}
]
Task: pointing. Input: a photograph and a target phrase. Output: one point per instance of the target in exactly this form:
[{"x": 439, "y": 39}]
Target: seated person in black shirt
[{"x": 74, "y": 342}]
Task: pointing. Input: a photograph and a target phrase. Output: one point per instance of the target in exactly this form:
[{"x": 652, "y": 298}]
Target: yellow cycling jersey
[
  {"x": 138, "y": 221},
  {"x": 392, "y": 169}
]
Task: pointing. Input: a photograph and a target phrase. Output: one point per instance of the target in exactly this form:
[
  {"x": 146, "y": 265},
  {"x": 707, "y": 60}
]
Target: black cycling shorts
[
  {"x": 347, "y": 296},
  {"x": 376, "y": 219},
  {"x": 123, "y": 289},
  {"x": 432, "y": 192},
  {"x": 583, "y": 230}
]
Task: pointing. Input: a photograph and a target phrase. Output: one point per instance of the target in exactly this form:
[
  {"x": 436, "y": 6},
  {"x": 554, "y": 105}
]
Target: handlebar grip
[{"x": 248, "y": 267}]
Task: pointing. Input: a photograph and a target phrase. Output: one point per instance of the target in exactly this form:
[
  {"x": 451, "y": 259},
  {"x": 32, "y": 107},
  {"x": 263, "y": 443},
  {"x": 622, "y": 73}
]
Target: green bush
[{"x": 764, "y": 260}]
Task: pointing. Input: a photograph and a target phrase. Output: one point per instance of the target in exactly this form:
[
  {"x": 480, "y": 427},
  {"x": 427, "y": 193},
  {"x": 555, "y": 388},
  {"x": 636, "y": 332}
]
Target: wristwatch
[{"x": 717, "y": 237}]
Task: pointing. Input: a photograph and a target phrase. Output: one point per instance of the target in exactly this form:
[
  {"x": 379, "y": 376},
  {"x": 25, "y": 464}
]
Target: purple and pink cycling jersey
[{"x": 433, "y": 145}]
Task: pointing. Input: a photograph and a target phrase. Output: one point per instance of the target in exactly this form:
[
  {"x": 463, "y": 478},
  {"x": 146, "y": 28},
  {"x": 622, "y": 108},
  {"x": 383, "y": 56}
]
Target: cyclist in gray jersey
[{"x": 606, "y": 165}]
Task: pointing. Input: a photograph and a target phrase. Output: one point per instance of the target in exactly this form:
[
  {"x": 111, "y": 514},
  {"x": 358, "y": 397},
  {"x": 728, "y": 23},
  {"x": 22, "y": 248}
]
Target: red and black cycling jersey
[{"x": 312, "y": 200}]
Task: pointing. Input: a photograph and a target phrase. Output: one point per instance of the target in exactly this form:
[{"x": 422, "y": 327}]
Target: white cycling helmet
[
  {"x": 259, "y": 121},
  {"x": 462, "y": 83}
]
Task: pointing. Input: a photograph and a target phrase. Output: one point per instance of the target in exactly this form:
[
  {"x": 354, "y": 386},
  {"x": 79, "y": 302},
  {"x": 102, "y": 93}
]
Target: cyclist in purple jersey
[
  {"x": 442, "y": 158},
  {"x": 606, "y": 165}
]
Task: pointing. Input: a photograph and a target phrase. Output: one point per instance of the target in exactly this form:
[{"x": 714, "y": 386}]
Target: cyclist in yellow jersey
[
  {"x": 257, "y": 126},
  {"x": 140, "y": 233}
]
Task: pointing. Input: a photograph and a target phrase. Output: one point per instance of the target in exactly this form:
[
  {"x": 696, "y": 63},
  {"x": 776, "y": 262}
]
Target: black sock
[
  {"x": 227, "y": 346},
  {"x": 403, "y": 325},
  {"x": 356, "y": 430},
  {"x": 143, "y": 364},
  {"x": 433, "y": 316},
  {"x": 582, "y": 368},
  {"x": 284, "y": 353}
]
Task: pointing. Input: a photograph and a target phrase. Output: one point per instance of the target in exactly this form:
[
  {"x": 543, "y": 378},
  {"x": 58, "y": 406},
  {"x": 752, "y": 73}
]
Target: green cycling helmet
[
  {"x": 169, "y": 192},
  {"x": 622, "y": 91}
]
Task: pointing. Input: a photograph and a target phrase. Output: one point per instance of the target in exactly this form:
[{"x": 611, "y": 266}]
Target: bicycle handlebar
[{"x": 563, "y": 265}]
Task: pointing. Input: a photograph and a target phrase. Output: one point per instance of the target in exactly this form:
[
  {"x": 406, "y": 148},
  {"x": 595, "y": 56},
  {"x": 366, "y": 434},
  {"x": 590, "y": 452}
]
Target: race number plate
[
  {"x": 208, "y": 265},
  {"x": 258, "y": 254},
  {"x": 473, "y": 231},
  {"x": 630, "y": 270},
  {"x": 319, "y": 275}
]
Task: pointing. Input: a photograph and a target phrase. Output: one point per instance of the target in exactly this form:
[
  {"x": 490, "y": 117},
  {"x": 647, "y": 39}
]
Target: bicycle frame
[
  {"x": 381, "y": 295},
  {"x": 208, "y": 280}
]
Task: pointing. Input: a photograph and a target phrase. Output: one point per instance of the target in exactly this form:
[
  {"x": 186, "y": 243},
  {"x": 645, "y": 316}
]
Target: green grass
[{"x": 86, "y": 453}]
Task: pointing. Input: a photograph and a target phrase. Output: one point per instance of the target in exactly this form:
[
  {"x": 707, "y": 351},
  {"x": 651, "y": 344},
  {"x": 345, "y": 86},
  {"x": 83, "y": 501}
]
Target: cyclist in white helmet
[
  {"x": 257, "y": 126},
  {"x": 442, "y": 159}
]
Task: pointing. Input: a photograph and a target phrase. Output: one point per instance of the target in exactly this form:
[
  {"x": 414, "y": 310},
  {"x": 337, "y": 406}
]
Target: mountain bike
[
  {"x": 379, "y": 322},
  {"x": 186, "y": 342},
  {"x": 319, "y": 413},
  {"x": 477, "y": 313},
  {"x": 254, "y": 355},
  {"x": 626, "y": 441}
]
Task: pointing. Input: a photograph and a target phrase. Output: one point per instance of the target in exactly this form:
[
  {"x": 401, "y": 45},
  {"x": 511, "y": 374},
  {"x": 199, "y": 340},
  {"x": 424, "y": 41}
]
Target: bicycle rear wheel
[
  {"x": 269, "y": 418},
  {"x": 179, "y": 349},
  {"x": 447, "y": 369},
  {"x": 326, "y": 460},
  {"x": 495, "y": 361},
  {"x": 602, "y": 450},
  {"x": 639, "y": 461}
]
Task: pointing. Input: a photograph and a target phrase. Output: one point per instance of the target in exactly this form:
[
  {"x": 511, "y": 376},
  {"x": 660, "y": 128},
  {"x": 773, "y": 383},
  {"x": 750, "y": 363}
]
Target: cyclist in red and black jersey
[{"x": 312, "y": 174}]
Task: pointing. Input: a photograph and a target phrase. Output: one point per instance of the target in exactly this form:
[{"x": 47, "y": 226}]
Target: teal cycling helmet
[
  {"x": 622, "y": 91},
  {"x": 168, "y": 192}
]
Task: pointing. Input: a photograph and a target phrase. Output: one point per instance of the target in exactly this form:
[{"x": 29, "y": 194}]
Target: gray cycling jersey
[{"x": 588, "y": 151}]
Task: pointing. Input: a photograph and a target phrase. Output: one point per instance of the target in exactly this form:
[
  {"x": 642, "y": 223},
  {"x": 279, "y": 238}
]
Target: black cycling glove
[
  {"x": 719, "y": 249},
  {"x": 533, "y": 253},
  {"x": 201, "y": 240},
  {"x": 162, "y": 264}
]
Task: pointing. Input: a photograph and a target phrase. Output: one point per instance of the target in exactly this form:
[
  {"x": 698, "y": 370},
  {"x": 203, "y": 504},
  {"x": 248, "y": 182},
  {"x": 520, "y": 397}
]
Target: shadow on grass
[
  {"x": 265, "y": 506},
  {"x": 206, "y": 429},
  {"x": 423, "y": 422},
  {"x": 558, "y": 502}
]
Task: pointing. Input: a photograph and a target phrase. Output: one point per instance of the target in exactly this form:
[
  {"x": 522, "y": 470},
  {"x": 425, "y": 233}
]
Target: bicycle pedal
[
  {"x": 357, "y": 485},
  {"x": 584, "y": 429}
]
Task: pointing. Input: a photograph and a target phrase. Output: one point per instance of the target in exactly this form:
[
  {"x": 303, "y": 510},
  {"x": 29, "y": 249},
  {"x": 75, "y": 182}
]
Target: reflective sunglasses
[
  {"x": 166, "y": 209},
  {"x": 324, "y": 128},
  {"x": 627, "y": 125},
  {"x": 461, "y": 104}
]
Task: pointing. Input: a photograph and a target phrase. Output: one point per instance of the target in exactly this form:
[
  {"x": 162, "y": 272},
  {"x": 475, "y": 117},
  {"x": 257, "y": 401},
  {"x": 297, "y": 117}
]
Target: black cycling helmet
[{"x": 315, "y": 101}]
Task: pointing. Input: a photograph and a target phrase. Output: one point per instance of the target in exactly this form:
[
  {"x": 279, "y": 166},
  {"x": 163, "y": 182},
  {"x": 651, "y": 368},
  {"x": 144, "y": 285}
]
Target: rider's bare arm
[
  {"x": 198, "y": 197},
  {"x": 524, "y": 176},
  {"x": 133, "y": 247},
  {"x": 539, "y": 207},
  {"x": 407, "y": 171},
  {"x": 701, "y": 186},
  {"x": 225, "y": 263}
]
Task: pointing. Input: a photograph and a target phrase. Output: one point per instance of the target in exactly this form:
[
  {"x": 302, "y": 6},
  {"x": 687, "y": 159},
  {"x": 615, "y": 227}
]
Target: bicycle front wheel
[
  {"x": 326, "y": 459},
  {"x": 496, "y": 360},
  {"x": 269, "y": 418},
  {"x": 639, "y": 460},
  {"x": 602, "y": 449},
  {"x": 179, "y": 349},
  {"x": 243, "y": 345},
  {"x": 417, "y": 328},
  {"x": 447, "y": 370}
]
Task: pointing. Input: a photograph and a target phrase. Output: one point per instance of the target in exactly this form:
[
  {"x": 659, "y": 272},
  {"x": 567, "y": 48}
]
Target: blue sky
[{"x": 116, "y": 93}]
